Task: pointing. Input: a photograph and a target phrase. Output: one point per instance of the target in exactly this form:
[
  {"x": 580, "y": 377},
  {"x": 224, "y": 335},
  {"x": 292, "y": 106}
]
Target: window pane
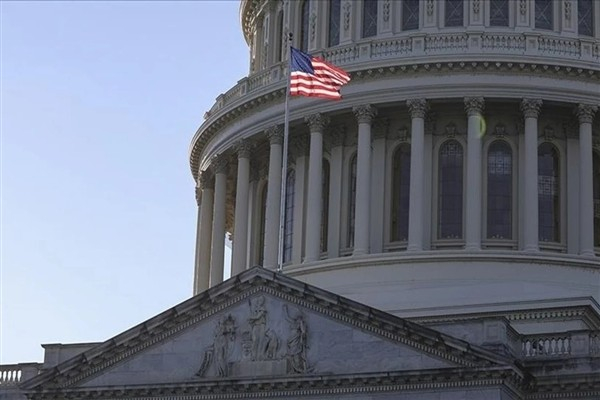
[
  {"x": 334, "y": 22},
  {"x": 499, "y": 191},
  {"x": 280, "y": 37},
  {"x": 543, "y": 14},
  {"x": 450, "y": 204},
  {"x": 410, "y": 14},
  {"x": 288, "y": 229},
  {"x": 454, "y": 13},
  {"x": 369, "y": 18},
  {"x": 585, "y": 17},
  {"x": 548, "y": 193},
  {"x": 400, "y": 193},
  {"x": 499, "y": 13},
  {"x": 351, "y": 202},
  {"x": 596, "y": 199},
  {"x": 325, "y": 204},
  {"x": 304, "y": 25}
]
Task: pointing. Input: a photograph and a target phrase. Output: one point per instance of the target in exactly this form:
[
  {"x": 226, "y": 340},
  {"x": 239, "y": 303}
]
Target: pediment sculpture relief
[{"x": 255, "y": 348}]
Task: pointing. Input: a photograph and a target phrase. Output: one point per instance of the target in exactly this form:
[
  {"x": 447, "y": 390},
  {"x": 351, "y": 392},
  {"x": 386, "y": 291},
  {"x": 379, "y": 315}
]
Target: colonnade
[{"x": 212, "y": 189}]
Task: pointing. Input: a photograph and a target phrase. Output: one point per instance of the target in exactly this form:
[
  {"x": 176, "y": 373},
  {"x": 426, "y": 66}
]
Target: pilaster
[{"x": 474, "y": 107}]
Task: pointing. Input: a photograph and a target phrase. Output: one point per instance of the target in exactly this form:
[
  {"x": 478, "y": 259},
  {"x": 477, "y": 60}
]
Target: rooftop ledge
[
  {"x": 418, "y": 51},
  {"x": 440, "y": 256}
]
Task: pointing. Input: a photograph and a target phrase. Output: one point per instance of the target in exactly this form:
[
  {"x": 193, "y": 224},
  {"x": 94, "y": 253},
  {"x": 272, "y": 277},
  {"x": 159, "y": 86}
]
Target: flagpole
[{"x": 286, "y": 128}]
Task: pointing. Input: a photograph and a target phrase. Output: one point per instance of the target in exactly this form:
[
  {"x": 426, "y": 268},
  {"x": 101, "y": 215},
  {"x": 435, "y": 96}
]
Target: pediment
[{"x": 263, "y": 325}]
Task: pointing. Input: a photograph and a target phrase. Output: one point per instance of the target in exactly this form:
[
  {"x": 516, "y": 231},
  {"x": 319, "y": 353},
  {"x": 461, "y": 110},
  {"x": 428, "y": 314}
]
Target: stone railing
[
  {"x": 13, "y": 374},
  {"x": 577, "y": 343},
  {"x": 527, "y": 45}
]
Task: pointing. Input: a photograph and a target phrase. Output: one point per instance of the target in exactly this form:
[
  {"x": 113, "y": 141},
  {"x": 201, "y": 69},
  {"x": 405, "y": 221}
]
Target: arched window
[
  {"x": 450, "y": 191},
  {"x": 400, "y": 193},
  {"x": 585, "y": 17},
  {"x": 334, "y": 22},
  {"x": 548, "y": 193},
  {"x": 369, "y": 27},
  {"x": 288, "y": 227},
  {"x": 304, "y": 11},
  {"x": 410, "y": 15},
  {"x": 325, "y": 206},
  {"x": 499, "y": 191},
  {"x": 263, "y": 218},
  {"x": 280, "y": 38},
  {"x": 596, "y": 199},
  {"x": 454, "y": 13},
  {"x": 351, "y": 201}
]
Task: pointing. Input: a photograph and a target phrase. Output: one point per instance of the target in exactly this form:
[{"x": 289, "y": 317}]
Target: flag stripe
[{"x": 311, "y": 76}]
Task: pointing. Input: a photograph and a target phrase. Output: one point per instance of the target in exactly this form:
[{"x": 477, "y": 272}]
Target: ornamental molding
[
  {"x": 567, "y": 9},
  {"x": 386, "y": 10},
  {"x": 476, "y": 6},
  {"x": 347, "y": 10},
  {"x": 206, "y": 180},
  {"x": 244, "y": 148},
  {"x": 429, "y": 7},
  {"x": 275, "y": 134},
  {"x": 531, "y": 107},
  {"x": 198, "y": 195},
  {"x": 417, "y": 107},
  {"x": 217, "y": 120},
  {"x": 523, "y": 7},
  {"x": 219, "y": 164}
]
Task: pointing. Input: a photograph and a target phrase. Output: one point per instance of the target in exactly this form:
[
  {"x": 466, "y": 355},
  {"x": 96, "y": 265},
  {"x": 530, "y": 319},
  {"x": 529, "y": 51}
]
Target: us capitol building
[{"x": 441, "y": 232}]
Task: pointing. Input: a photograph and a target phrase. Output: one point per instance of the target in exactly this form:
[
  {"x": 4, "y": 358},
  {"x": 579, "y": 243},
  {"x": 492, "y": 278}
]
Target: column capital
[
  {"x": 531, "y": 107},
  {"x": 316, "y": 122},
  {"x": 364, "y": 113},
  {"x": 275, "y": 134},
  {"x": 206, "y": 181},
  {"x": 474, "y": 105},
  {"x": 585, "y": 113},
  {"x": 219, "y": 164},
  {"x": 198, "y": 194},
  {"x": 244, "y": 148},
  {"x": 417, "y": 107}
]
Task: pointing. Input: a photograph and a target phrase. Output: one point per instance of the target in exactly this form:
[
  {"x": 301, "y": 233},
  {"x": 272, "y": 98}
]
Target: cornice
[{"x": 274, "y": 93}]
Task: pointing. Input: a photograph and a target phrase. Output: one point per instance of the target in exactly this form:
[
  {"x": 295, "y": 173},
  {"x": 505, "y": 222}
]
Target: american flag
[{"x": 313, "y": 77}]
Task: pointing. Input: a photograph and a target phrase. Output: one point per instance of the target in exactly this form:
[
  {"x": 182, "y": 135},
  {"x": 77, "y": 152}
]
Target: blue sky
[{"x": 99, "y": 103}]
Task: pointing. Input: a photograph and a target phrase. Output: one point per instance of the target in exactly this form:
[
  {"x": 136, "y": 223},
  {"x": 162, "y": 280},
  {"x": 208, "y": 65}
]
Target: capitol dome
[{"x": 459, "y": 174}]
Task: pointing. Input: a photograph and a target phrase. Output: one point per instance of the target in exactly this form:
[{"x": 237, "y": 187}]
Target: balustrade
[
  {"x": 13, "y": 374},
  {"x": 545, "y": 346}
]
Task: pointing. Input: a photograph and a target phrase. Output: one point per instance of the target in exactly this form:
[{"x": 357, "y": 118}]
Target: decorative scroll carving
[
  {"x": 244, "y": 148},
  {"x": 316, "y": 122},
  {"x": 297, "y": 343},
  {"x": 220, "y": 351},
  {"x": 474, "y": 105},
  {"x": 386, "y": 11},
  {"x": 417, "y": 107},
  {"x": 585, "y": 113},
  {"x": 347, "y": 9},
  {"x": 476, "y": 6},
  {"x": 548, "y": 133},
  {"x": 429, "y": 7},
  {"x": 531, "y": 107},
  {"x": 220, "y": 164},
  {"x": 567, "y": 9},
  {"x": 364, "y": 113},
  {"x": 500, "y": 130},
  {"x": 313, "y": 26},
  {"x": 275, "y": 134},
  {"x": 523, "y": 7}
]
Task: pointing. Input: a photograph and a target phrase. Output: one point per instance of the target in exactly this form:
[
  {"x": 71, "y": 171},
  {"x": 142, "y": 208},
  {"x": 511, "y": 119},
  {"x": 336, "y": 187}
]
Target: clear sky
[{"x": 99, "y": 103}]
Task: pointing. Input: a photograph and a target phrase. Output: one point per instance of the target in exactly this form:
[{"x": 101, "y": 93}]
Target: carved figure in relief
[
  {"x": 221, "y": 349},
  {"x": 297, "y": 344},
  {"x": 264, "y": 341}
]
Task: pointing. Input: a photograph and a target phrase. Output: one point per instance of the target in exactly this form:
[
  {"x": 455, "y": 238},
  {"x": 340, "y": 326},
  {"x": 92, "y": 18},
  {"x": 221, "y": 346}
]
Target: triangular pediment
[{"x": 262, "y": 325}]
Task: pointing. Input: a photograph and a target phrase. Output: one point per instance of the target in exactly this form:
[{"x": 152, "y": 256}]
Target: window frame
[
  {"x": 488, "y": 15},
  {"x": 339, "y": 22},
  {"x": 392, "y": 244},
  {"x": 554, "y": 6},
  {"x": 363, "y": 16},
  {"x": 594, "y": 6},
  {"x": 465, "y": 14},
  {"x": 402, "y": 16},
  {"x": 561, "y": 244}
]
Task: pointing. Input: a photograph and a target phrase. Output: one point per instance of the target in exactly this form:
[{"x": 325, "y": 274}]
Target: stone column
[
  {"x": 417, "y": 108},
  {"x": 531, "y": 110},
  {"x": 217, "y": 253},
  {"x": 364, "y": 115},
  {"x": 316, "y": 123},
  {"x": 474, "y": 108},
  {"x": 585, "y": 113},
  {"x": 204, "y": 235},
  {"x": 240, "y": 242},
  {"x": 378, "y": 178},
  {"x": 275, "y": 135},
  {"x": 335, "y": 191}
]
